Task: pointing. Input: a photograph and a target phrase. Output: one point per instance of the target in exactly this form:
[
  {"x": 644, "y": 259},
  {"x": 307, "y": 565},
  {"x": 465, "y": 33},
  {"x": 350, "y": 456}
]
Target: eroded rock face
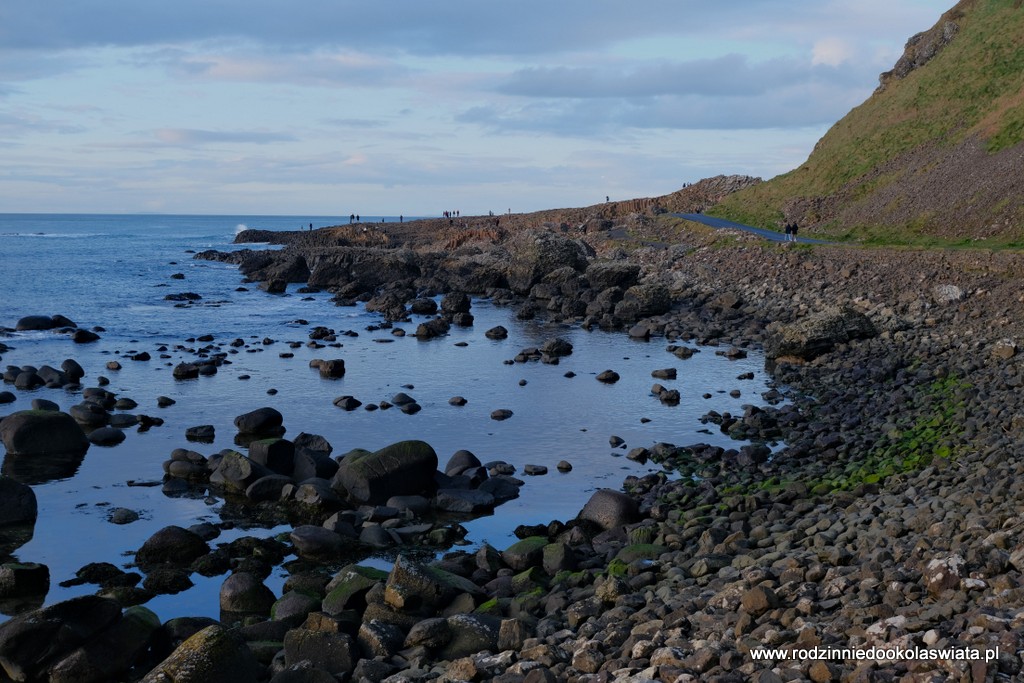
[{"x": 818, "y": 334}]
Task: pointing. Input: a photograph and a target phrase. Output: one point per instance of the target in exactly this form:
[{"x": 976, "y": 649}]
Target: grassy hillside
[{"x": 934, "y": 154}]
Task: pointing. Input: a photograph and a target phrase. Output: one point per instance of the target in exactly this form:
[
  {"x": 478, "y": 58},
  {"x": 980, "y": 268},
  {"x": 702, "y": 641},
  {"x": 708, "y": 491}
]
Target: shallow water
[{"x": 555, "y": 418}]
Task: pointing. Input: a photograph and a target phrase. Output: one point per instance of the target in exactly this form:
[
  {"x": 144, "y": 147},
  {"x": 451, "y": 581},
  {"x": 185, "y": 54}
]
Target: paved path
[{"x": 722, "y": 223}]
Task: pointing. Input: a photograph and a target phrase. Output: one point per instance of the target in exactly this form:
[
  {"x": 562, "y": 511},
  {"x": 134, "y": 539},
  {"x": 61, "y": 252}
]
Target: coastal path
[{"x": 722, "y": 223}]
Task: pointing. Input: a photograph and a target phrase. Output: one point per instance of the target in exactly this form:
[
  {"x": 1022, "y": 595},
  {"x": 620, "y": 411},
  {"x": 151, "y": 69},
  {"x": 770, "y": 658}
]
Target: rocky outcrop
[
  {"x": 820, "y": 333},
  {"x": 534, "y": 253}
]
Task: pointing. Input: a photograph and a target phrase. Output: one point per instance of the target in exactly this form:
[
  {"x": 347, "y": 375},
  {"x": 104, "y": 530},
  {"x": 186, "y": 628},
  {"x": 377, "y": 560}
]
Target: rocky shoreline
[{"x": 890, "y": 518}]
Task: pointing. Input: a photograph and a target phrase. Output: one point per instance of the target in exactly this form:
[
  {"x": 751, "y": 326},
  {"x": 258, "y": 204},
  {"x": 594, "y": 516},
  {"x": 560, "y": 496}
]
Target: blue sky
[{"x": 332, "y": 107}]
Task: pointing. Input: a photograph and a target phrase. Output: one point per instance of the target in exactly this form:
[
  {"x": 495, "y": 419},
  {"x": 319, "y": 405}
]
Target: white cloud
[{"x": 832, "y": 52}]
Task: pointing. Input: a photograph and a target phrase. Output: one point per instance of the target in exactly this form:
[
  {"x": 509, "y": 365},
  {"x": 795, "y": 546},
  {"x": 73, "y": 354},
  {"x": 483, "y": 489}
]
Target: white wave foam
[{"x": 240, "y": 228}]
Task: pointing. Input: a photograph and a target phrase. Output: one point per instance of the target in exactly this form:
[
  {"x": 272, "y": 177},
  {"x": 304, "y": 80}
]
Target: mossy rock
[
  {"x": 349, "y": 587},
  {"x": 526, "y": 553},
  {"x": 640, "y": 551}
]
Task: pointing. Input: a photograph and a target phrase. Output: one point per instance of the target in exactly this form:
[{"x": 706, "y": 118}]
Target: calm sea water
[{"x": 114, "y": 271}]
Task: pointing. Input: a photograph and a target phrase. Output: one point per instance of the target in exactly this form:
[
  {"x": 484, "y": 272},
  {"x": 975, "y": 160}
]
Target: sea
[{"x": 113, "y": 272}]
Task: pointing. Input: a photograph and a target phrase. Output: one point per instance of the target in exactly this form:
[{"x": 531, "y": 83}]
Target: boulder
[
  {"x": 111, "y": 653},
  {"x": 235, "y": 472},
  {"x": 32, "y": 642},
  {"x": 317, "y": 544},
  {"x": 403, "y": 468},
  {"x": 185, "y": 371},
  {"x": 332, "y": 652},
  {"x": 34, "y": 323},
  {"x": 171, "y": 545},
  {"x": 212, "y": 654},
  {"x": 643, "y": 301},
  {"x": 106, "y": 436},
  {"x": 42, "y": 432},
  {"x": 416, "y": 588},
  {"x": 348, "y": 588},
  {"x": 18, "y": 580},
  {"x": 17, "y": 502},
  {"x": 470, "y": 633},
  {"x": 277, "y": 455},
  {"x": 266, "y": 421},
  {"x": 610, "y": 509},
  {"x": 604, "y": 274},
  {"x": 435, "y": 327},
  {"x": 535, "y": 253},
  {"x": 244, "y": 593},
  {"x": 818, "y": 334}
]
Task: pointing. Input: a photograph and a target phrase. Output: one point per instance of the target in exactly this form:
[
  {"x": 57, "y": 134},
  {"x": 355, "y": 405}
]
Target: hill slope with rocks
[{"x": 933, "y": 155}]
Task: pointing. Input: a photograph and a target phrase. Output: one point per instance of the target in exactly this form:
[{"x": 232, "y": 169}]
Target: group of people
[{"x": 791, "y": 229}]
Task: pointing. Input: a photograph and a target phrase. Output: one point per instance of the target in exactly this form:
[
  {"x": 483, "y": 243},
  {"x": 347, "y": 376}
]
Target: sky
[{"x": 332, "y": 107}]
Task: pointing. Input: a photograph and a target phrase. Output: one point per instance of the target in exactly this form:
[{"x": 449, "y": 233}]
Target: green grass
[{"x": 973, "y": 87}]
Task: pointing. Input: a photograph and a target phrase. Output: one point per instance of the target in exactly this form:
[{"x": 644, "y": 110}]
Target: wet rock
[
  {"x": 244, "y": 593},
  {"x": 348, "y": 403},
  {"x": 608, "y": 377},
  {"x": 201, "y": 433},
  {"x": 431, "y": 329},
  {"x": 470, "y": 634},
  {"x": 316, "y": 543},
  {"x": 278, "y": 455},
  {"x": 106, "y": 436},
  {"x": 501, "y": 414},
  {"x": 610, "y": 509},
  {"x": 348, "y": 588},
  {"x": 185, "y": 371},
  {"x": 417, "y": 588},
  {"x": 18, "y": 580},
  {"x": 171, "y": 545},
  {"x": 403, "y": 468},
  {"x": 84, "y": 336},
  {"x": 111, "y": 652},
  {"x": 266, "y": 421},
  {"x": 32, "y": 432},
  {"x": 379, "y": 639},
  {"x": 17, "y": 502},
  {"x": 212, "y": 654},
  {"x": 35, "y": 323},
  {"x": 467, "y": 501},
  {"x": 331, "y": 651},
  {"x": 497, "y": 332},
  {"x": 235, "y": 473},
  {"x": 556, "y": 348},
  {"x": 329, "y": 369},
  {"x": 31, "y": 643}
]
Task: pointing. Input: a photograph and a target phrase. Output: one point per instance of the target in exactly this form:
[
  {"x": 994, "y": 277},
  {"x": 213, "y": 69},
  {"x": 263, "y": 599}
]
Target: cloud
[
  {"x": 832, "y": 52},
  {"x": 440, "y": 27},
  {"x": 728, "y": 75},
  {"x": 187, "y": 137}
]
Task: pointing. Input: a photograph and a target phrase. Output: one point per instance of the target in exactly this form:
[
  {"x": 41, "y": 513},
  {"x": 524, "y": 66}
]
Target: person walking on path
[
  {"x": 793, "y": 231},
  {"x": 789, "y": 231}
]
